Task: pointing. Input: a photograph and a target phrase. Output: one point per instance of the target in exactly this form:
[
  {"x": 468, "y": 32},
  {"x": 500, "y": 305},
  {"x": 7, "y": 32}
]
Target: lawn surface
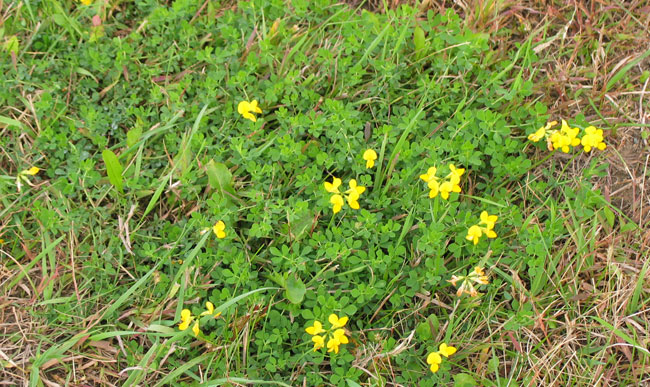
[{"x": 185, "y": 223}]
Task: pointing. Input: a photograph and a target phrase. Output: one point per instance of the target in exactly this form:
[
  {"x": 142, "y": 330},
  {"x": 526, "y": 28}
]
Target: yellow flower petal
[
  {"x": 315, "y": 329},
  {"x": 339, "y": 335},
  {"x": 333, "y": 187},
  {"x": 333, "y": 346},
  {"x": 434, "y": 368},
  {"x": 434, "y": 358},
  {"x": 446, "y": 350},
  {"x": 336, "y": 321},
  {"x": 254, "y": 108},
  {"x": 319, "y": 342},
  {"x": 210, "y": 309},
  {"x": 195, "y": 329},
  {"x": 32, "y": 171},
  {"x": 473, "y": 234}
]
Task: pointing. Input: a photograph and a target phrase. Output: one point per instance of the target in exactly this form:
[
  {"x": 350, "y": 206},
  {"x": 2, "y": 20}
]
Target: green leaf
[
  {"x": 423, "y": 331},
  {"x": 295, "y": 290},
  {"x": 10, "y": 122},
  {"x": 621, "y": 73},
  {"x": 419, "y": 40},
  {"x": 609, "y": 216},
  {"x": 11, "y": 45},
  {"x": 352, "y": 383},
  {"x": 133, "y": 135},
  {"x": 464, "y": 380},
  {"x": 219, "y": 177},
  {"x": 113, "y": 168}
]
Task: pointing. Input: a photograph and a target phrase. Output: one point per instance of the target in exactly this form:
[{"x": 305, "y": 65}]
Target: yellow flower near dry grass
[
  {"x": 567, "y": 137},
  {"x": 467, "y": 282},
  {"x": 22, "y": 177},
  {"x": 246, "y": 109},
  {"x": 187, "y": 318},
  {"x": 434, "y": 359},
  {"x": 593, "y": 138},
  {"x": 333, "y": 338}
]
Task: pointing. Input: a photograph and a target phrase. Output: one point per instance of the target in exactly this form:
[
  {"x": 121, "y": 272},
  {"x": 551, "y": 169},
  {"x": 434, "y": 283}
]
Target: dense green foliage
[{"x": 136, "y": 124}]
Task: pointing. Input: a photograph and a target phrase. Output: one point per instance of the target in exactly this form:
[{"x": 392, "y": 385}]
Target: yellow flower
[
  {"x": 353, "y": 194},
  {"x": 430, "y": 175},
  {"x": 541, "y": 132},
  {"x": 86, "y": 2},
  {"x": 31, "y": 171},
  {"x": 476, "y": 231},
  {"x": 246, "y": 109},
  {"x": 337, "y": 202},
  {"x": 336, "y": 321},
  {"x": 370, "y": 156},
  {"x": 336, "y": 333},
  {"x": 186, "y": 319},
  {"x": 22, "y": 177},
  {"x": 196, "y": 329},
  {"x": 333, "y": 187},
  {"x": 319, "y": 342},
  {"x": 210, "y": 310},
  {"x": 448, "y": 187},
  {"x": 434, "y": 361},
  {"x": 593, "y": 138},
  {"x": 565, "y": 138},
  {"x": 432, "y": 182},
  {"x": 338, "y": 338},
  {"x": 488, "y": 220},
  {"x": 446, "y": 350},
  {"x": 455, "y": 174},
  {"x": 474, "y": 234},
  {"x": 315, "y": 329},
  {"x": 218, "y": 229}
]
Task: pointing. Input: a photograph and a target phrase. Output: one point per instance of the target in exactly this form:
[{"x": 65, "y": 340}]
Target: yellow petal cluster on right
[{"x": 567, "y": 137}]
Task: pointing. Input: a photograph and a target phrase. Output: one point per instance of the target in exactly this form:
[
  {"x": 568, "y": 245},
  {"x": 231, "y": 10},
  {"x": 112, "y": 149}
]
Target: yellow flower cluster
[
  {"x": 476, "y": 231},
  {"x": 450, "y": 184},
  {"x": 336, "y": 334},
  {"x": 435, "y": 358},
  {"x": 593, "y": 138},
  {"x": 567, "y": 137},
  {"x": 351, "y": 195},
  {"x": 187, "y": 318},
  {"x": 467, "y": 281}
]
